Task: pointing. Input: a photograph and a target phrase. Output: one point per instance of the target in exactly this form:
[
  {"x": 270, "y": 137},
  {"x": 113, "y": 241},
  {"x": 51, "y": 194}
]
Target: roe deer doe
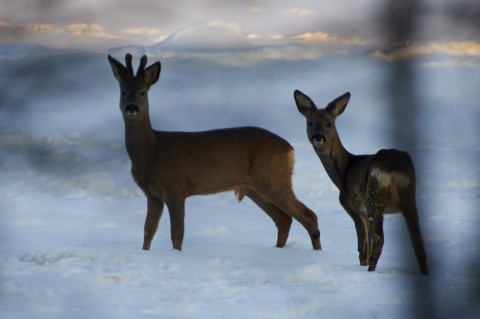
[
  {"x": 370, "y": 185},
  {"x": 171, "y": 166}
]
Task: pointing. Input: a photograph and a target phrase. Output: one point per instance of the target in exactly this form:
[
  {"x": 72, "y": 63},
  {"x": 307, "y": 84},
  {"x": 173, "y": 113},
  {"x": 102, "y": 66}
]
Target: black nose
[
  {"x": 132, "y": 109},
  {"x": 318, "y": 138}
]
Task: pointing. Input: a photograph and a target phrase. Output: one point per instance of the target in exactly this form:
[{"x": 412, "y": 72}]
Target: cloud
[
  {"x": 252, "y": 36},
  {"x": 223, "y": 42},
  {"x": 17, "y": 30},
  {"x": 89, "y": 30},
  {"x": 331, "y": 38},
  {"x": 276, "y": 36},
  {"x": 255, "y": 10},
  {"x": 136, "y": 31},
  {"x": 240, "y": 58},
  {"x": 40, "y": 27},
  {"x": 81, "y": 35},
  {"x": 145, "y": 35},
  {"x": 452, "y": 63},
  {"x": 300, "y": 12},
  {"x": 206, "y": 36},
  {"x": 453, "y": 48}
]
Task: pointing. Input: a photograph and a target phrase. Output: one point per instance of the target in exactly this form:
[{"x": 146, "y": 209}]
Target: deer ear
[
  {"x": 119, "y": 71},
  {"x": 304, "y": 104},
  {"x": 152, "y": 73},
  {"x": 337, "y": 106}
]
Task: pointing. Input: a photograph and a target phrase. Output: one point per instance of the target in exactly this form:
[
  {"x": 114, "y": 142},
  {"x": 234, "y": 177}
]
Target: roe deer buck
[
  {"x": 370, "y": 185},
  {"x": 171, "y": 166}
]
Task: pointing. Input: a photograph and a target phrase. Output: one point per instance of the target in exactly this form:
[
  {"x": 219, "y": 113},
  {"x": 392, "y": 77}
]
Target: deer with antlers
[
  {"x": 370, "y": 185},
  {"x": 171, "y": 166}
]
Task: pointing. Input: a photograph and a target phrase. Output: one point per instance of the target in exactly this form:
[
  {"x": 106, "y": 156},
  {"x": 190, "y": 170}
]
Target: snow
[{"x": 71, "y": 222}]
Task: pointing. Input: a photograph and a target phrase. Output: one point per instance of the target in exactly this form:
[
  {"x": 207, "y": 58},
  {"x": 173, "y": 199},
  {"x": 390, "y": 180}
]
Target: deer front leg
[
  {"x": 362, "y": 239},
  {"x": 361, "y": 228},
  {"x": 176, "y": 209},
  {"x": 154, "y": 212}
]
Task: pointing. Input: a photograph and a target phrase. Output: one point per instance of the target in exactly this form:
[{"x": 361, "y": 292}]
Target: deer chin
[
  {"x": 131, "y": 113},
  {"x": 318, "y": 143},
  {"x": 318, "y": 140}
]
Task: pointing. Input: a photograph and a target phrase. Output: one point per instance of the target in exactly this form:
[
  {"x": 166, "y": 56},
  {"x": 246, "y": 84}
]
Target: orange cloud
[
  {"x": 40, "y": 27},
  {"x": 255, "y": 10},
  {"x": 89, "y": 30},
  {"x": 331, "y": 38},
  {"x": 147, "y": 31},
  {"x": 454, "y": 48},
  {"x": 252, "y": 36},
  {"x": 276, "y": 36}
]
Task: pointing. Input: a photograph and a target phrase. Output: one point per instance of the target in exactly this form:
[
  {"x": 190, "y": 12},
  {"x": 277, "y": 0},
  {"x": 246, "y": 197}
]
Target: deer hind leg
[
  {"x": 154, "y": 213},
  {"x": 377, "y": 197},
  {"x": 176, "y": 209},
  {"x": 410, "y": 214},
  {"x": 281, "y": 219},
  {"x": 376, "y": 240},
  {"x": 288, "y": 203}
]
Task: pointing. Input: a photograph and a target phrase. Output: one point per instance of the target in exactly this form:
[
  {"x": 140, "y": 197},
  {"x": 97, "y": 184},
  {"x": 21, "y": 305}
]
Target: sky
[{"x": 442, "y": 27}]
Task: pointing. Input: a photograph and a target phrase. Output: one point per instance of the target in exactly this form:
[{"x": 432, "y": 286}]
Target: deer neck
[
  {"x": 139, "y": 140},
  {"x": 336, "y": 161}
]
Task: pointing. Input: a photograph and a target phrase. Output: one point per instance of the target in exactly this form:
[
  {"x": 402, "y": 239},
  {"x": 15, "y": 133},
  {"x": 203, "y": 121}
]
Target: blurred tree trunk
[{"x": 400, "y": 24}]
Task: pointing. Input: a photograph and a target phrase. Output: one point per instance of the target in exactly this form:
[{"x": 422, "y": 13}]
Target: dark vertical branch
[
  {"x": 400, "y": 23},
  {"x": 468, "y": 14}
]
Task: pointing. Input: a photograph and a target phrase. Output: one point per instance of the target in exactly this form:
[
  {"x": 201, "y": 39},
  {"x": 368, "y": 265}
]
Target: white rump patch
[{"x": 385, "y": 178}]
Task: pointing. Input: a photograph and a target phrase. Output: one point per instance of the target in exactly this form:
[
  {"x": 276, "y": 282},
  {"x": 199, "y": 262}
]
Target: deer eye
[
  {"x": 124, "y": 92},
  {"x": 329, "y": 124},
  {"x": 310, "y": 123},
  {"x": 142, "y": 93}
]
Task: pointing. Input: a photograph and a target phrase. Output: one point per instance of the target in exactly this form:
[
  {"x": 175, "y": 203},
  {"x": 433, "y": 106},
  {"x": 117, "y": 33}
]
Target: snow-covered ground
[{"x": 71, "y": 218}]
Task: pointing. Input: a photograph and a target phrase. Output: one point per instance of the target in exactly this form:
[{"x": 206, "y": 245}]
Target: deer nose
[
  {"x": 318, "y": 139},
  {"x": 132, "y": 109}
]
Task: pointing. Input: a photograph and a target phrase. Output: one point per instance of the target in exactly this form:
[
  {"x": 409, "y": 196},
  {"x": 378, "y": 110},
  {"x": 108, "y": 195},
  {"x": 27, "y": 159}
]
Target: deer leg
[
  {"x": 411, "y": 219},
  {"x": 376, "y": 240},
  {"x": 293, "y": 207},
  {"x": 377, "y": 203},
  {"x": 362, "y": 236},
  {"x": 281, "y": 219},
  {"x": 154, "y": 212},
  {"x": 176, "y": 210},
  {"x": 362, "y": 240}
]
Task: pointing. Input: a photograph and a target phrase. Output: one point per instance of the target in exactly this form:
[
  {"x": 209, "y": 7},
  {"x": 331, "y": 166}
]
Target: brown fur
[
  {"x": 171, "y": 166},
  {"x": 370, "y": 185}
]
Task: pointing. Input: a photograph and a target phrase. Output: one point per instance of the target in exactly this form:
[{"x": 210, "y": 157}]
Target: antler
[
  {"x": 128, "y": 64},
  {"x": 141, "y": 66}
]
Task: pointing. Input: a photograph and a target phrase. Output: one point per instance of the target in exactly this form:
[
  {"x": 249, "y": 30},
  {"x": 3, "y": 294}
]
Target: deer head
[
  {"x": 134, "y": 87},
  {"x": 321, "y": 131}
]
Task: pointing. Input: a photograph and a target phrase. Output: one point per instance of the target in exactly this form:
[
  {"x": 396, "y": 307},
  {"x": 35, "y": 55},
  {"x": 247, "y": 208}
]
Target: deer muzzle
[
  {"x": 131, "y": 109},
  {"x": 318, "y": 139}
]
